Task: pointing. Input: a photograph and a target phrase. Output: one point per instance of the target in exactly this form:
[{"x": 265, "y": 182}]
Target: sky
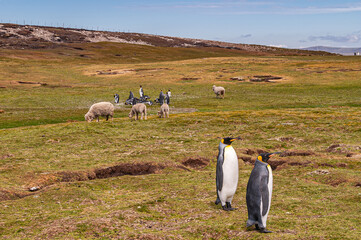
[{"x": 281, "y": 23}]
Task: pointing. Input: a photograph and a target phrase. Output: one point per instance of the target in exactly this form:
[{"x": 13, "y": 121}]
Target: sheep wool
[
  {"x": 219, "y": 91},
  {"x": 104, "y": 109},
  {"x": 164, "y": 111},
  {"x": 138, "y": 108}
]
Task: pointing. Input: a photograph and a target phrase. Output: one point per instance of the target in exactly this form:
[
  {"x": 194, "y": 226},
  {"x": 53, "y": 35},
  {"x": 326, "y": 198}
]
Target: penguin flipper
[
  {"x": 219, "y": 172},
  {"x": 264, "y": 194}
]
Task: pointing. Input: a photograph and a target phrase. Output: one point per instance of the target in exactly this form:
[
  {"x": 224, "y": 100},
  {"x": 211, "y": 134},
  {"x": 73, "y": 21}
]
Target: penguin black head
[
  {"x": 264, "y": 157},
  {"x": 229, "y": 140}
]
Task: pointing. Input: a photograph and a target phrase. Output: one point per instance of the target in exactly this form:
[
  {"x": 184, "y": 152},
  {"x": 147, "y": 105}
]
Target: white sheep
[
  {"x": 164, "y": 111},
  {"x": 219, "y": 91},
  {"x": 100, "y": 109},
  {"x": 138, "y": 108}
]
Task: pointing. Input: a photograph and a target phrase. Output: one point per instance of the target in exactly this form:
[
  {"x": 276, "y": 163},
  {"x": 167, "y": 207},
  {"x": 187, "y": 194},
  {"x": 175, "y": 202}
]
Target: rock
[
  {"x": 33, "y": 189},
  {"x": 320, "y": 172},
  {"x": 237, "y": 78}
]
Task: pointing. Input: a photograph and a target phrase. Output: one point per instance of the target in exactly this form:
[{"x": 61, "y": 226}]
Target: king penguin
[
  {"x": 259, "y": 192},
  {"x": 226, "y": 173}
]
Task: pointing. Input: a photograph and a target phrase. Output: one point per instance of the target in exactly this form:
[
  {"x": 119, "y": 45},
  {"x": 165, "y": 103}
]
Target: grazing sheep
[
  {"x": 138, "y": 108},
  {"x": 100, "y": 109},
  {"x": 219, "y": 91},
  {"x": 164, "y": 111}
]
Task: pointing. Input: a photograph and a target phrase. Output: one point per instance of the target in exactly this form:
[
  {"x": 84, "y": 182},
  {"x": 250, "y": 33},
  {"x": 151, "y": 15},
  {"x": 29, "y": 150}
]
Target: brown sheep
[
  {"x": 100, "y": 109},
  {"x": 138, "y": 108},
  {"x": 164, "y": 111}
]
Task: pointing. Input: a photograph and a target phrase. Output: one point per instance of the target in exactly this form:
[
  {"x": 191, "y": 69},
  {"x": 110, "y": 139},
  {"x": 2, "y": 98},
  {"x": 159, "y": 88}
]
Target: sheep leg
[
  {"x": 107, "y": 117},
  {"x": 136, "y": 116},
  {"x": 145, "y": 114},
  {"x": 97, "y": 118},
  {"x": 141, "y": 116}
]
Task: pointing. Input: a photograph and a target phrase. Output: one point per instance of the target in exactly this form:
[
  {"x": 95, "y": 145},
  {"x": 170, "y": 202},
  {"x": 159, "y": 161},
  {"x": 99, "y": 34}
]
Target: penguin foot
[
  {"x": 226, "y": 208},
  {"x": 264, "y": 230},
  {"x": 217, "y": 201},
  {"x": 230, "y": 207},
  {"x": 257, "y": 227}
]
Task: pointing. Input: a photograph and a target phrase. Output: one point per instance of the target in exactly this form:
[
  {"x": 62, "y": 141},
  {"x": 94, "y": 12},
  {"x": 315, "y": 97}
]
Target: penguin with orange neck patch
[
  {"x": 226, "y": 173},
  {"x": 259, "y": 192}
]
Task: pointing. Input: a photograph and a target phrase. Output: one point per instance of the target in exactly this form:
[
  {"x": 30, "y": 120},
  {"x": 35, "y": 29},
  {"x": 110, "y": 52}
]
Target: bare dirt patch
[
  {"x": 342, "y": 148},
  {"x": 327, "y": 177},
  {"x": 239, "y": 79},
  {"x": 335, "y": 181},
  {"x": 11, "y": 195},
  {"x": 113, "y": 171},
  {"x": 258, "y": 78},
  {"x": 33, "y": 83},
  {"x": 197, "y": 163},
  {"x": 249, "y": 151},
  {"x": 296, "y": 153},
  {"x": 275, "y": 164},
  {"x": 45, "y": 180},
  {"x": 342, "y": 165},
  {"x": 114, "y": 72},
  {"x": 323, "y": 70},
  {"x": 189, "y": 79},
  {"x": 264, "y": 78}
]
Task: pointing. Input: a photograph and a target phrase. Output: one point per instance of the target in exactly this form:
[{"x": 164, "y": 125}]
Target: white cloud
[
  {"x": 278, "y": 46},
  {"x": 351, "y": 38}
]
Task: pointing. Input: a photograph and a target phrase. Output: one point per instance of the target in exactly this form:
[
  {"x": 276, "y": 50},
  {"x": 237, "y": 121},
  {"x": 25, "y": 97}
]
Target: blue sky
[{"x": 286, "y": 23}]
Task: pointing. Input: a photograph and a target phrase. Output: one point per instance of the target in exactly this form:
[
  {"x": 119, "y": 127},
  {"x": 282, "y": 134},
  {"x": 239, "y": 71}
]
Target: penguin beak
[
  {"x": 272, "y": 154},
  {"x": 237, "y": 138}
]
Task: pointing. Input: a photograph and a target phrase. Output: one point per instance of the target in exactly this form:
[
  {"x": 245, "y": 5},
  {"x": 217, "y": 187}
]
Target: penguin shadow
[
  {"x": 219, "y": 207},
  {"x": 256, "y": 228}
]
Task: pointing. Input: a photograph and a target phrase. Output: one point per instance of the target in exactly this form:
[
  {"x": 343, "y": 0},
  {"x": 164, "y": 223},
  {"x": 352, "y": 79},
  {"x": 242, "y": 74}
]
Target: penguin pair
[{"x": 259, "y": 187}]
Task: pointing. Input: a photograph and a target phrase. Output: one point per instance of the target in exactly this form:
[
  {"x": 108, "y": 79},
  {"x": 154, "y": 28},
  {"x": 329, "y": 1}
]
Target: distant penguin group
[{"x": 259, "y": 187}]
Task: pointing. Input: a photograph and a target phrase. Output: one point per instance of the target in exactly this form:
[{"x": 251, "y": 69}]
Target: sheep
[
  {"x": 219, "y": 91},
  {"x": 100, "y": 109},
  {"x": 164, "y": 111},
  {"x": 138, "y": 108}
]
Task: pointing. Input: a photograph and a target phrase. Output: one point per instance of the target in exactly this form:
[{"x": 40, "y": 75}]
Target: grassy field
[{"x": 155, "y": 179}]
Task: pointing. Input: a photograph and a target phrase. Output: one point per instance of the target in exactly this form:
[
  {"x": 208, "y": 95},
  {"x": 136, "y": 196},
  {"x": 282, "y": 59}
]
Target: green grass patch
[{"x": 43, "y": 136}]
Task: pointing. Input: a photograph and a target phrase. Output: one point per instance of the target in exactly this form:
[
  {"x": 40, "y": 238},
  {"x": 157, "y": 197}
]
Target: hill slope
[
  {"x": 13, "y": 36},
  {"x": 336, "y": 50}
]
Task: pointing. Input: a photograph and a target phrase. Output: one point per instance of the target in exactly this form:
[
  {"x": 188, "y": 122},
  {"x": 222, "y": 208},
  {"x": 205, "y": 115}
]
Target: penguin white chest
[
  {"x": 230, "y": 170},
  {"x": 270, "y": 186},
  {"x": 270, "y": 182}
]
